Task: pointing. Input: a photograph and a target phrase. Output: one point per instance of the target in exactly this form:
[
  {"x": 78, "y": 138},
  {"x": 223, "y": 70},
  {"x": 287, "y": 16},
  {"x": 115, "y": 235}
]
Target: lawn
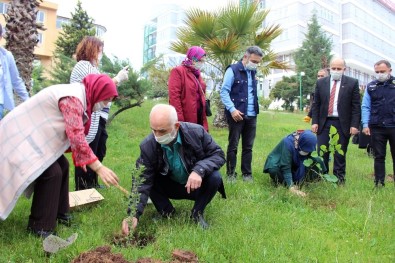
[{"x": 256, "y": 223}]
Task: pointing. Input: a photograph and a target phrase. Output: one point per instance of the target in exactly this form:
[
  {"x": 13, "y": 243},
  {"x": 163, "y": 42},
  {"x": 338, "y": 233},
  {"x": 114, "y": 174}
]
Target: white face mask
[
  {"x": 251, "y": 65},
  {"x": 336, "y": 75},
  {"x": 303, "y": 153},
  {"x": 382, "y": 76},
  {"x": 99, "y": 106},
  {"x": 167, "y": 138},
  {"x": 199, "y": 65},
  {"x": 100, "y": 56}
]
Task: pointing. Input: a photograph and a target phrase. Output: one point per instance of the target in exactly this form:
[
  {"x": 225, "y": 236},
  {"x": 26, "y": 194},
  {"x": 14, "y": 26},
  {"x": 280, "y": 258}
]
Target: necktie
[{"x": 332, "y": 99}]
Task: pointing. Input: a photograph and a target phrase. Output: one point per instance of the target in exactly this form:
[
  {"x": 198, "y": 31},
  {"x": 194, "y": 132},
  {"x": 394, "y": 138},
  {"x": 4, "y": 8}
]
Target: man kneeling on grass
[
  {"x": 181, "y": 161},
  {"x": 285, "y": 164}
]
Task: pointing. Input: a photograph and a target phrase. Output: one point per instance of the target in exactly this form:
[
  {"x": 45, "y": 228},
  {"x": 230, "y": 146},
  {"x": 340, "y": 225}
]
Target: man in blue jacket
[
  {"x": 180, "y": 161},
  {"x": 9, "y": 80},
  {"x": 378, "y": 117},
  {"x": 239, "y": 95}
]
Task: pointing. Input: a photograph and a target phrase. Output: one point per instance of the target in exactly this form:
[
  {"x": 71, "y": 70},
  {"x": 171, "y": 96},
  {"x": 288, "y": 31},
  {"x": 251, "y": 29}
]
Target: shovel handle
[{"x": 123, "y": 189}]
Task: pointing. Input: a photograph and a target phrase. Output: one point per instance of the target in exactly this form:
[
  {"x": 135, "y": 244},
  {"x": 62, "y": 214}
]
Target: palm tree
[
  {"x": 22, "y": 35},
  {"x": 225, "y": 35}
]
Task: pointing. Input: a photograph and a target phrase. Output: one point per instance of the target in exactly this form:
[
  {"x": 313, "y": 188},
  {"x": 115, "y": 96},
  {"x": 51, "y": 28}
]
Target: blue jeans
[
  {"x": 380, "y": 137},
  {"x": 246, "y": 129}
]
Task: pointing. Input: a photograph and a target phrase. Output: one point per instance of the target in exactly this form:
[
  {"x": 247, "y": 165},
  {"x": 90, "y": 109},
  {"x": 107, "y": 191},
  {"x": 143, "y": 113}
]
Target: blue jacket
[
  {"x": 239, "y": 90},
  {"x": 378, "y": 104},
  {"x": 10, "y": 81}
]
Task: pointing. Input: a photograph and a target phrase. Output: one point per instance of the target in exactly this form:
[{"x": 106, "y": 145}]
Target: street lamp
[{"x": 301, "y": 74}]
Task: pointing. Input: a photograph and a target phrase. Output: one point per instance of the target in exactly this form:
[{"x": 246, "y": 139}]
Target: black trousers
[
  {"x": 86, "y": 180},
  {"x": 246, "y": 129},
  {"x": 165, "y": 189},
  {"x": 380, "y": 137},
  {"x": 51, "y": 196},
  {"x": 339, "y": 162}
]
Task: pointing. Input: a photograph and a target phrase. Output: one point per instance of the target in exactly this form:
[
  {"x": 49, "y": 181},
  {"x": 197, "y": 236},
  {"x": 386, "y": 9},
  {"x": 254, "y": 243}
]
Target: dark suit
[{"x": 349, "y": 110}]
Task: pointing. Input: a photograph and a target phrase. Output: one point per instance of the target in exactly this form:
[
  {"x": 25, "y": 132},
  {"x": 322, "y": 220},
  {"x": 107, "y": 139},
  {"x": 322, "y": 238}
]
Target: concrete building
[{"x": 361, "y": 31}]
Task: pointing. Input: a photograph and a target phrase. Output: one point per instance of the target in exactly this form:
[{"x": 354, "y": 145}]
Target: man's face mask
[
  {"x": 99, "y": 106},
  {"x": 336, "y": 74},
  {"x": 382, "y": 76},
  {"x": 251, "y": 65},
  {"x": 167, "y": 138}
]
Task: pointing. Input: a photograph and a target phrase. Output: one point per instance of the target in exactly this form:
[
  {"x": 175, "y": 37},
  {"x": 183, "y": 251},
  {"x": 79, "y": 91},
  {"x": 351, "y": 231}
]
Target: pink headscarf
[{"x": 194, "y": 54}]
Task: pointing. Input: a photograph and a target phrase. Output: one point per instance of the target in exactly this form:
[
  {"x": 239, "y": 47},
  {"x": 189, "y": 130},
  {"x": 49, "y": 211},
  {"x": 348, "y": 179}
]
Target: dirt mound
[
  {"x": 103, "y": 255},
  {"x": 100, "y": 255}
]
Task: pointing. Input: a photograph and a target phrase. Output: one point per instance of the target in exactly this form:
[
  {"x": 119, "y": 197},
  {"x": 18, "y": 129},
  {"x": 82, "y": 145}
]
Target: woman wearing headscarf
[
  {"x": 285, "y": 164},
  {"x": 89, "y": 53},
  {"x": 33, "y": 139},
  {"x": 187, "y": 88}
]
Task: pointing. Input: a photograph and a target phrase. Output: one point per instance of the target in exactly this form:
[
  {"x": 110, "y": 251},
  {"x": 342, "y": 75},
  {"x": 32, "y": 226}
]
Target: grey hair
[
  {"x": 254, "y": 50},
  {"x": 383, "y": 61},
  {"x": 165, "y": 108},
  {"x": 1, "y": 30}
]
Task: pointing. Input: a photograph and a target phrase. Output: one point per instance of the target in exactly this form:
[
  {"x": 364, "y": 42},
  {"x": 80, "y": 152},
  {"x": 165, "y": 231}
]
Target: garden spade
[{"x": 53, "y": 244}]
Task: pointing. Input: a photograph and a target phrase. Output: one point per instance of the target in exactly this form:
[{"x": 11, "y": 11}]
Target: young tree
[
  {"x": 287, "y": 90},
  {"x": 22, "y": 35},
  {"x": 131, "y": 92},
  {"x": 81, "y": 25},
  {"x": 314, "y": 54},
  {"x": 225, "y": 35}
]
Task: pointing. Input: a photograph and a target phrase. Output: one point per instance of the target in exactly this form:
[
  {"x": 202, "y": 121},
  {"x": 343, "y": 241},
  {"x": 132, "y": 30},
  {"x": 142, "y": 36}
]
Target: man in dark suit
[{"x": 337, "y": 103}]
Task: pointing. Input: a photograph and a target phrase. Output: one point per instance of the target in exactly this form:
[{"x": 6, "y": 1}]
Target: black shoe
[
  {"x": 65, "y": 219},
  {"x": 199, "y": 219},
  {"x": 247, "y": 178},
  {"x": 41, "y": 233}
]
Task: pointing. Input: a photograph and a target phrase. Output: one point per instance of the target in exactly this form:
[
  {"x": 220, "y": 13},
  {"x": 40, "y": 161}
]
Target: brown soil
[
  {"x": 104, "y": 255},
  {"x": 100, "y": 255},
  {"x": 136, "y": 240}
]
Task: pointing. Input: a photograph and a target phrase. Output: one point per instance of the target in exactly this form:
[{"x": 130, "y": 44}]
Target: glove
[
  {"x": 307, "y": 119},
  {"x": 122, "y": 75}
]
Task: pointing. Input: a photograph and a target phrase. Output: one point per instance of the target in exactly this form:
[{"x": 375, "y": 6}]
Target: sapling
[{"x": 333, "y": 146}]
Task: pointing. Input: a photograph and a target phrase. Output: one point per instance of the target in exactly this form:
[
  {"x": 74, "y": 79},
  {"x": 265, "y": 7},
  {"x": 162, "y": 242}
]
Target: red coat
[{"x": 183, "y": 90}]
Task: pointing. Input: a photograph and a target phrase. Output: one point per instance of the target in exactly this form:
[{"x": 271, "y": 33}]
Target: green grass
[{"x": 256, "y": 223}]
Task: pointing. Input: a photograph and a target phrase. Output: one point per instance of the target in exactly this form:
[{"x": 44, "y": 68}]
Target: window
[
  {"x": 60, "y": 21},
  {"x": 40, "y": 17},
  {"x": 40, "y": 38},
  {"x": 3, "y": 8}
]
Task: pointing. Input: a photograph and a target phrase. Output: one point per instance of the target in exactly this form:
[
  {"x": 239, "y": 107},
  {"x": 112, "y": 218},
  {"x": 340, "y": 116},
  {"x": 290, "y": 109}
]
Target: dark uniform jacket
[{"x": 199, "y": 153}]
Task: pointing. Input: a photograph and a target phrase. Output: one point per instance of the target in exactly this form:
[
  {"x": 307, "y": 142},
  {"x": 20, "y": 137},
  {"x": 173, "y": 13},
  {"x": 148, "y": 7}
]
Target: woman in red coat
[{"x": 187, "y": 88}]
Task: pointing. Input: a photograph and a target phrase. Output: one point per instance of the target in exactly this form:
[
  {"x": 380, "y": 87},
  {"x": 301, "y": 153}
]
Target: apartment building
[
  {"x": 48, "y": 15},
  {"x": 361, "y": 32}
]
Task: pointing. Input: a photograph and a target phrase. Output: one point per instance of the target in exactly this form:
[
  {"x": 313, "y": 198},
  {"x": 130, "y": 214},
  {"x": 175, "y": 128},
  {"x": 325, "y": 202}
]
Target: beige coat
[{"x": 32, "y": 137}]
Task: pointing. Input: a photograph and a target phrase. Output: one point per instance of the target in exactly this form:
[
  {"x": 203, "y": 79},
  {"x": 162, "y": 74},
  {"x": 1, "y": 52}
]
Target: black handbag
[{"x": 208, "y": 108}]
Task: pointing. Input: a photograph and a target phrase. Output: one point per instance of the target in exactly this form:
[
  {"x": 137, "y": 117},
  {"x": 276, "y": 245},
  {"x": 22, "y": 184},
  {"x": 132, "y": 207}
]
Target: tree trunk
[{"x": 220, "y": 118}]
